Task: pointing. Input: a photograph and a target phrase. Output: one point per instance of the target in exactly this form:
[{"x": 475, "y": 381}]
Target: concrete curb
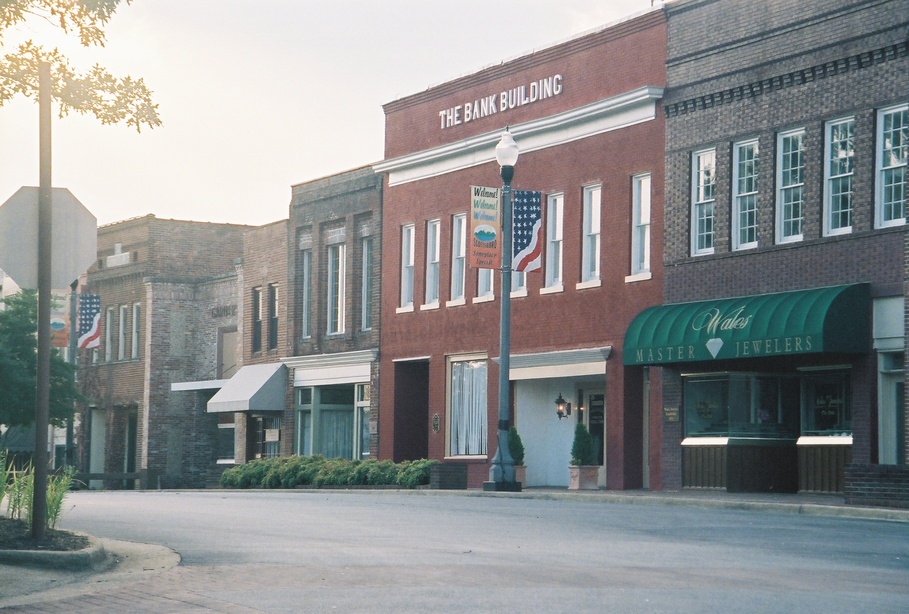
[
  {"x": 717, "y": 502},
  {"x": 94, "y": 557}
]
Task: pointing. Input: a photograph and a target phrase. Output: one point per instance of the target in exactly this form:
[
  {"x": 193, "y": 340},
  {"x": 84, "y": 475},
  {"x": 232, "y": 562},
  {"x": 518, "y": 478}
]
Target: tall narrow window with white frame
[
  {"x": 336, "y": 286},
  {"x": 790, "y": 202},
  {"x": 306, "y": 293},
  {"x": 458, "y": 258},
  {"x": 134, "y": 337},
  {"x": 640, "y": 232},
  {"x": 553, "y": 254},
  {"x": 467, "y": 403},
  {"x": 745, "y": 157},
  {"x": 121, "y": 336},
  {"x": 485, "y": 285},
  {"x": 433, "y": 230},
  {"x": 839, "y": 141},
  {"x": 892, "y": 156},
  {"x": 590, "y": 251},
  {"x": 109, "y": 335},
  {"x": 703, "y": 197},
  {"x": 366, "y": 285},
  {"x": 407, "y": 264}
]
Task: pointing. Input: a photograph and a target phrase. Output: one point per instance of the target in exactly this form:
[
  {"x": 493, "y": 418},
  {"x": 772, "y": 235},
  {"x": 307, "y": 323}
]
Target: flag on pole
[
  {"x": 527, "y": 238},
  {"x": 89, "y": 321}
]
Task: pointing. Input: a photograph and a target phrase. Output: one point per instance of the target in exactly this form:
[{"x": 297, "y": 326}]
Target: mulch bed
[{"x": 15, "y": 535}]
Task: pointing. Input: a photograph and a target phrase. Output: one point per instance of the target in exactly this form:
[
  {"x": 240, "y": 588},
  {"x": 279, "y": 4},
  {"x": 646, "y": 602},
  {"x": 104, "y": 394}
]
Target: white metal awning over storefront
[{"x": 252, "y": 388}]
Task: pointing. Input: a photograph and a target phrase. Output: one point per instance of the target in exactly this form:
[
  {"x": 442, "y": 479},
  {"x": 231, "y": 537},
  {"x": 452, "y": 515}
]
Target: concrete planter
[{"x": 583, "y": 477}]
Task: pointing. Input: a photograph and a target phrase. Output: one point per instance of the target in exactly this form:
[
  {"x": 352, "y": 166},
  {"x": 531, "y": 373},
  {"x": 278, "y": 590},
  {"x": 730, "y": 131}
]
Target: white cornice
[
  {"x": 633, "y": 107},
  {"x": 341, "y": 359}
]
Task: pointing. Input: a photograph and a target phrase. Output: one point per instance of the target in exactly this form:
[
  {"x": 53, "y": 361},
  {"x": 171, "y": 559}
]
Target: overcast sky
[{"x": 258, "y": 95}]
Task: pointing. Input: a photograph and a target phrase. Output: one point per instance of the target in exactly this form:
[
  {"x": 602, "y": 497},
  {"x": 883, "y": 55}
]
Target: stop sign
[{"x": 74, "y": 238}]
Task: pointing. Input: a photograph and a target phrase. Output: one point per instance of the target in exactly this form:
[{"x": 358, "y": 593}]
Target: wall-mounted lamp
[{"x": 563, "y": 407}]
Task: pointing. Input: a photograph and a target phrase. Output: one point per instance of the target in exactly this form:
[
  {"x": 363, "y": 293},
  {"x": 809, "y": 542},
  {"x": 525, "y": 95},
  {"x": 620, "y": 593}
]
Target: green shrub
[
  {"x": 415, "y": 473},
  {"x": 515, "y": 446},
  {"x": 293, "y": 471},
  {"x": 582, "y": 450}
]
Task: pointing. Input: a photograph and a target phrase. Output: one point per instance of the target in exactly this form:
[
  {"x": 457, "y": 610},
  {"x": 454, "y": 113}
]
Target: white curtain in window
[
  {"x": 468, "y": 407},
  {"x": 337, "y": 433}
]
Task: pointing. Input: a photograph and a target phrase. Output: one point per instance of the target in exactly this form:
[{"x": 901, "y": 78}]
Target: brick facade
[
  {"x": 342, "y": 211},
  {"x": 424, "y": 184},
  {"x": 766, "y": 68},
  {"x": 171, "y": 273}
]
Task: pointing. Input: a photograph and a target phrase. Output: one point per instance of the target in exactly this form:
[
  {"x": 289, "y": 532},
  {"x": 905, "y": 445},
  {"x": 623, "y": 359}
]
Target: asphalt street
[{"x": 317, "y": 551}]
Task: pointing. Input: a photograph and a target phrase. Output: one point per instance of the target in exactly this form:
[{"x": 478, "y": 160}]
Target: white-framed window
[
  {"x": 590, "y": 235},
  {"x": 272, "y": 315},
  {"x": 745, "y": 160},
  {"x": 458, "y": 257},
  {"x": 336, "y": 275},
  {"x": 790, "y": 201},
  {"x": 257, "y": 319},
  {"x": 366, "y": 285},
  {"x": 553, "y": 255},
  {"x": 640, "y": 220},
  {"x": 407, "y": 263},
  {"x": 518, "y": 283},
  {"x": 134, "y": 337},
  {"x": 839, "y": 156},
  {"x": 109, "y": 335},
  {"x": 306, "y": 293},
  {"x": 121, "y": 332},
  {"x": 433, "y": 234},
  {"x": 467, "y": 406},
  {"x": 485, "y": 285},
  {"x": 703, "y": 198},
  {"x": 333, "y": 421},
  {"x": 892, "y": 156}
]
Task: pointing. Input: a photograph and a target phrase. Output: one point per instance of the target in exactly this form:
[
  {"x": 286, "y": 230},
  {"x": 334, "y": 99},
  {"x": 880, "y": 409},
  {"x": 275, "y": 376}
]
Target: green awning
[{"x": 834, "y": 319}]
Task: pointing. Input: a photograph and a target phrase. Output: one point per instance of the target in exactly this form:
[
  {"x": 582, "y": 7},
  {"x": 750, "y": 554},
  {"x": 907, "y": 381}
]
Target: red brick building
[
  {"x": 585, "y": 115},
  {"x": 162, "y": 285}
]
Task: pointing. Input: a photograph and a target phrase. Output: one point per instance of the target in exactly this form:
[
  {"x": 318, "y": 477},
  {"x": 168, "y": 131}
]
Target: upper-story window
[
  {"x": 640, "y": 232},
  {"x": 407, "y": 263},
  {"x": 458, "y": 256},
  {"x": 272, "y": 316},
  {"x": 518, "y": 283},
  {"x": 109, "y": 335},
  {"x": 553, "y": 254},
  {"x": 433, "y": 230},
  {"x": 336, "y": 274},
  {"x": 790, "y": 202},
  {"x": 121, "y": 336},
  {"x": 839, "y": 158},
  {"x": 257, "y": 319},
  {"x": 306, "y": 293},
  {"x": 485, "y": 284},
  {"x": 703, "y": 196},
  {"x": 366, "y": 285},
  {"x": 892, "y": 156},
  {"x": 590, "y": 251},
  {"x": 745, "y": 157},
  {"x": 134, "y": 338}
]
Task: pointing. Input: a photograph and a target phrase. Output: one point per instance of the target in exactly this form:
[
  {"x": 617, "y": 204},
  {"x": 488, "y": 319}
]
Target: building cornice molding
[
  {"x": 793, "y": 78},
  {"x": 627, "y": 109}
]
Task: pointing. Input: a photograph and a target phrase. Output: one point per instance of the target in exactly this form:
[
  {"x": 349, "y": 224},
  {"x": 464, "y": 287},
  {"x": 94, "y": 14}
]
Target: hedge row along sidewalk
[{"x": 294, "y": 471}]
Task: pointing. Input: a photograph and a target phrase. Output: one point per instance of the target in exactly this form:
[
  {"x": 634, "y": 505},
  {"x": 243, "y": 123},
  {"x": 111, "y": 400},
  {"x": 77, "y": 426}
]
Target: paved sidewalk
[{"x": 23, "y": 581}]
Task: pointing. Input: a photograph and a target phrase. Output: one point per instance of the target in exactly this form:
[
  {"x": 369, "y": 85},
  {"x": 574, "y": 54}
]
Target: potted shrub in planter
[
  {"x": 516, "y": 447},
  {"x": 583, "y": 471}
]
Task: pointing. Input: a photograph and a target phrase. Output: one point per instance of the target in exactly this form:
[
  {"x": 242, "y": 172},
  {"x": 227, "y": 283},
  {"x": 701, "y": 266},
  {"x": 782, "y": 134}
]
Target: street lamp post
[{"x": 501, "y": 474}]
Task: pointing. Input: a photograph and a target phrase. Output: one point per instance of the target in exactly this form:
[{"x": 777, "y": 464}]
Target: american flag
[
  {"x": 527, "y": 245},
  {"x": 89, "y": 320}
]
